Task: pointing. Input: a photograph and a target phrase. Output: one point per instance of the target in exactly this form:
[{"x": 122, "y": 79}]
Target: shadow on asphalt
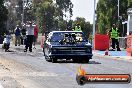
[
  {"x": 19, "y": 49},
  {"x": 10, "y": 51},
  {"x": 70, "y": 61},
  {"x": 3, "y": 50},
  {"x": 94, "y": 62}
]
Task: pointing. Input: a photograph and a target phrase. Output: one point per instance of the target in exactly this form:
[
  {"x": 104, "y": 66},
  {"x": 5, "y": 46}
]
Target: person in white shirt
[{"x": 30, "y": 36}]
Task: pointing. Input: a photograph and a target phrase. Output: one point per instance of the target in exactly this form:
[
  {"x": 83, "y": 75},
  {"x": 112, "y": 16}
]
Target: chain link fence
[{"x": 123, "y": 42}]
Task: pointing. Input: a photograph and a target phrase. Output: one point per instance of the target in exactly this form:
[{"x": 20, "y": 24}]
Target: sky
[{"x": 83, "y": 8}]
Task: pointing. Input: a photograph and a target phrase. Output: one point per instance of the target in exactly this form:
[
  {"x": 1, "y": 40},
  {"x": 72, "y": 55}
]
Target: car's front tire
[{"x": 47, "y": 58}]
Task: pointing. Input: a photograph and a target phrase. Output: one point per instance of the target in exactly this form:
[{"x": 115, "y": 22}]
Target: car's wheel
[
  {"x": 54, "y": 60},
  {"x": 76, "y": 60},
  {"x": 48, "y": 58},
  {"x": 85, "y": 60}
]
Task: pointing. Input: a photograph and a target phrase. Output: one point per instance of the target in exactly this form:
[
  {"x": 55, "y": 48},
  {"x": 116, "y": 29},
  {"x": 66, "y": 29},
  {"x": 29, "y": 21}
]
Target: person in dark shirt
[
  {"x": 17, "y": 35},
  {"x": 23, "y": 31}
]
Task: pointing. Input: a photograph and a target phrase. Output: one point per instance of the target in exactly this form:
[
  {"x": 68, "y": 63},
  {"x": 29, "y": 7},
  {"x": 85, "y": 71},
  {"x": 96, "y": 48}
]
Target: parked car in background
[{"x": 67, "y": 45}]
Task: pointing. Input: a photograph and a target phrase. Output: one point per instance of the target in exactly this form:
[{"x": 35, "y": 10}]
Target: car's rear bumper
[{"x": 71, "y": 56}]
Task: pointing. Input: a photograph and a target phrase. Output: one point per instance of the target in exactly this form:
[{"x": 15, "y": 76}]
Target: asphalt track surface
[{"x": 20, "y": 69}]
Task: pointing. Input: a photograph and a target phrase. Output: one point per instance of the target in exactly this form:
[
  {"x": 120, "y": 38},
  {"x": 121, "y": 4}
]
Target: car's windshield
[{"x": 77, "y": 36}]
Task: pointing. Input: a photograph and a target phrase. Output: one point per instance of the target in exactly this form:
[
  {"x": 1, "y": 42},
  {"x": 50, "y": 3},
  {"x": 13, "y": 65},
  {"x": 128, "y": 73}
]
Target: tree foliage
[
  {"x": 130, "y": 3},
  {"x": 107, "y": 14},
  {"x": 14, "y": 8},
  {"x": 3, "y": 17},
  {"x": 50, "y": 15}
]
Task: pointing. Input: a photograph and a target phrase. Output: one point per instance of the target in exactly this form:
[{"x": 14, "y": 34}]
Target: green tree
[
  {"x": 13, "y": 11},
  {"x": 130, "y": 3},
  {"x": 107, "y": 14},
  {"x": 3, "y": 17},
  {"x": 44, "y": 15},
  {"x": 50, "y": 15}
]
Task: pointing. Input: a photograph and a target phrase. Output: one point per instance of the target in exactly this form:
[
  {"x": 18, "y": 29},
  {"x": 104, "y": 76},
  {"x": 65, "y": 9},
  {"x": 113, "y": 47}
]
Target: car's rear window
[{"x": 58, "y": 36}]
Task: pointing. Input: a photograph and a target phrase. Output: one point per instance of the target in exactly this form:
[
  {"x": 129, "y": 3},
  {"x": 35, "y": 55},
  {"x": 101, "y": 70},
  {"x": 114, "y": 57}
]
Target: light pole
[
  {"x": 118, "y": 10},
  {"x": 22, "y": 17},
  {"x": 23, "y": 5},
  {"x": 94, "y": 23},
  {"x": 26, "y": 3}
]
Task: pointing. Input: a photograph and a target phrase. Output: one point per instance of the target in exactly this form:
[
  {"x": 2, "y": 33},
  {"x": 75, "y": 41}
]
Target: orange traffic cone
[{"x": 106, "y": 52}]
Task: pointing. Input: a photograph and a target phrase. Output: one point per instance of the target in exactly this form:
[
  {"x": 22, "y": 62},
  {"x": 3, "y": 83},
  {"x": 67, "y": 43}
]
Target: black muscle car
[{"x": 67, "y": 45}]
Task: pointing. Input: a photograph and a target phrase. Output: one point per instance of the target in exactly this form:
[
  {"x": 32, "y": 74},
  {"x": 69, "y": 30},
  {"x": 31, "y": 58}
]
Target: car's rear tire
[
  {"x": 76, "y": 60},
  {"x": 86, "y": 60},
  {"x": 54, "y": 60},
  {"x": 49, "y": 60}
]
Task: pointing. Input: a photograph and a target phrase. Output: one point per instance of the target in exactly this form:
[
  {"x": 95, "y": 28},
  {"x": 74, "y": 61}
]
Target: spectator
[
  {"x": 114, "y": 36},
  {"x": 35, "y": 36},
  {"x": 23, "y": 31},
  {"x": 30, "y": 36},
  {"x": 78, "y": 27},
  {"x": 17, "y": 35}
]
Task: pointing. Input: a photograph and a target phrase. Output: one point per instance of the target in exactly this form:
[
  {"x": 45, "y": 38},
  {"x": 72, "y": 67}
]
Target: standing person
[
  {"x": 114, "y": 35},
  {"x": 23, "y": 31},
  {"x": 78, "y": 27},
  {"x": 30, "y": 36},
  {"x": 17, "y": 35},
  {"x": 35, "y": 35}
]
